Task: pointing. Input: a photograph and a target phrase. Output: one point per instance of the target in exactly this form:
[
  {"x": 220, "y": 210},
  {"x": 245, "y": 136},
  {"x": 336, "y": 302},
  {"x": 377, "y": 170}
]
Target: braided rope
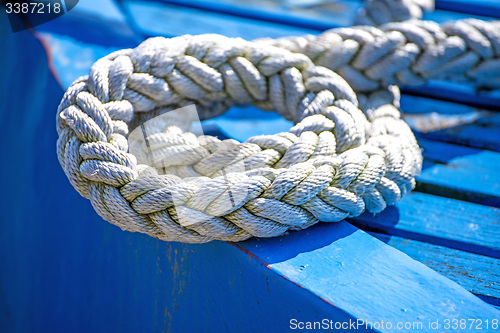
[
  {"x": 334, "y": 163},
  {"x": 377, "y": 12},
  {"x": 406, "y": 53}
]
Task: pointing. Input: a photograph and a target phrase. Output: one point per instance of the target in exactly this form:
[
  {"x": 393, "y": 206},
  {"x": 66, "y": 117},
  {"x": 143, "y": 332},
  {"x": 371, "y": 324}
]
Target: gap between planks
[{"x": 476, "y": 273}]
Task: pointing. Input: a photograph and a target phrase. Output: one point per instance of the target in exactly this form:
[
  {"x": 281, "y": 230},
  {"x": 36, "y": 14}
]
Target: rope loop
[
  {"x": 126, "y": 142},
  {"x": 411, "y": 53}
]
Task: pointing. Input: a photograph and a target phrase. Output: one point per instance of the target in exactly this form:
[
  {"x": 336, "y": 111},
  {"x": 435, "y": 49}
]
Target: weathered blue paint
[
  {"x": 160, "y": 19},
  {"x": 454, "y": 92},
  {"x": 74, "y": 57},
  {"x": 312, "y": 16},
  {"x": 417, "y": 105},
  {"x": 349, "y": 269},
  {"x": 493, "y": 121},
  {"x": 442, "y": 221},
  {"x": 460, "y": 172},
  {"x": 102, "y": 24},
  {"x": 478, "y": 7},
  {"x": 475, "y": 135},
  {"x": 477, "y": 273},
  {"x": 452, "y": 122}
]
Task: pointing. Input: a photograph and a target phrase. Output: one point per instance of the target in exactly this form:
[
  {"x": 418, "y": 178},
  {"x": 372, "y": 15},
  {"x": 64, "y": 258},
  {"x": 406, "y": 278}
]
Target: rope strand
[{"x": 406, "y": 53}]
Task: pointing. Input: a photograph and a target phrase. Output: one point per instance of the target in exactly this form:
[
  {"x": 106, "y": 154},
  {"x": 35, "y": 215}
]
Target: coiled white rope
[
  {"x": 336, "y": 162},
  {"x": 333, "y": 164}
]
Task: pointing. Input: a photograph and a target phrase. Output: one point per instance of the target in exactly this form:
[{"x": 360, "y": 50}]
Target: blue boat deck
[{"x": 434, "y": 256}]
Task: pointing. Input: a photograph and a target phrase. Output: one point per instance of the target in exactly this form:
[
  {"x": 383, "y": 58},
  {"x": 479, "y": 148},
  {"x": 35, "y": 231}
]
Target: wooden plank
[
  {"x": 99, "y": 23},
  {"x": 323, "y": 14},
  {"x": 314, "y": 16},
  {"x": 161, "y": 19},
  {"x": 449, "y": 170},
  {"x": 441, "y": 221},
  {"x": 458, "y": 93},
  {"x": 476, "y": 273},
  {"x": 460, "y": 172},
  {"x": 276, "y": 13},
  {"x": 493, "y": 121},
  {"x": 475, "y": 135},
  {"x": 452, "y": 122},
  {"x": 72, "y": 58},
  {"x": 324, "y": 262}
]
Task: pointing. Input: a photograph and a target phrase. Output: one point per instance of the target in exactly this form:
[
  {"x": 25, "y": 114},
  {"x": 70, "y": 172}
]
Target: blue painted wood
[
  {"x": 161, "y": 19},
  {"x": 412, "y": 105},
  {"x": 273, "y": 14},
  {"x": 442, "y": 16},
  {"x": 455, "y": 92},
  {"x": 90, "y": 22},
  {"x": 442, "y": 221},
  {"x": 314, "y": 15},
  {"x": 477, "y": 273},
  {"x": 460, "y": 172},
  {"x": 493, "y": 121},
  {"x": 475, "y": 135},
  {"x": 351, "y": 272},
  {"x": 477, "y": 7},
  {"x": 452, "y": 122},
  {"x": 72, "y": 58}
]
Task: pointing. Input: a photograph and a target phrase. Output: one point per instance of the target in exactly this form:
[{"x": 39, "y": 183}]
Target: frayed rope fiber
[{"x": 406, "y": 53}]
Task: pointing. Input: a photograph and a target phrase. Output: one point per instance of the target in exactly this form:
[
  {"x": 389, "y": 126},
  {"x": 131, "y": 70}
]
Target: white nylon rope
[
  {"x": 406, "y": 53},
  {"x": 334, "y": 163},
  {"x": 377, "y": 12}
]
